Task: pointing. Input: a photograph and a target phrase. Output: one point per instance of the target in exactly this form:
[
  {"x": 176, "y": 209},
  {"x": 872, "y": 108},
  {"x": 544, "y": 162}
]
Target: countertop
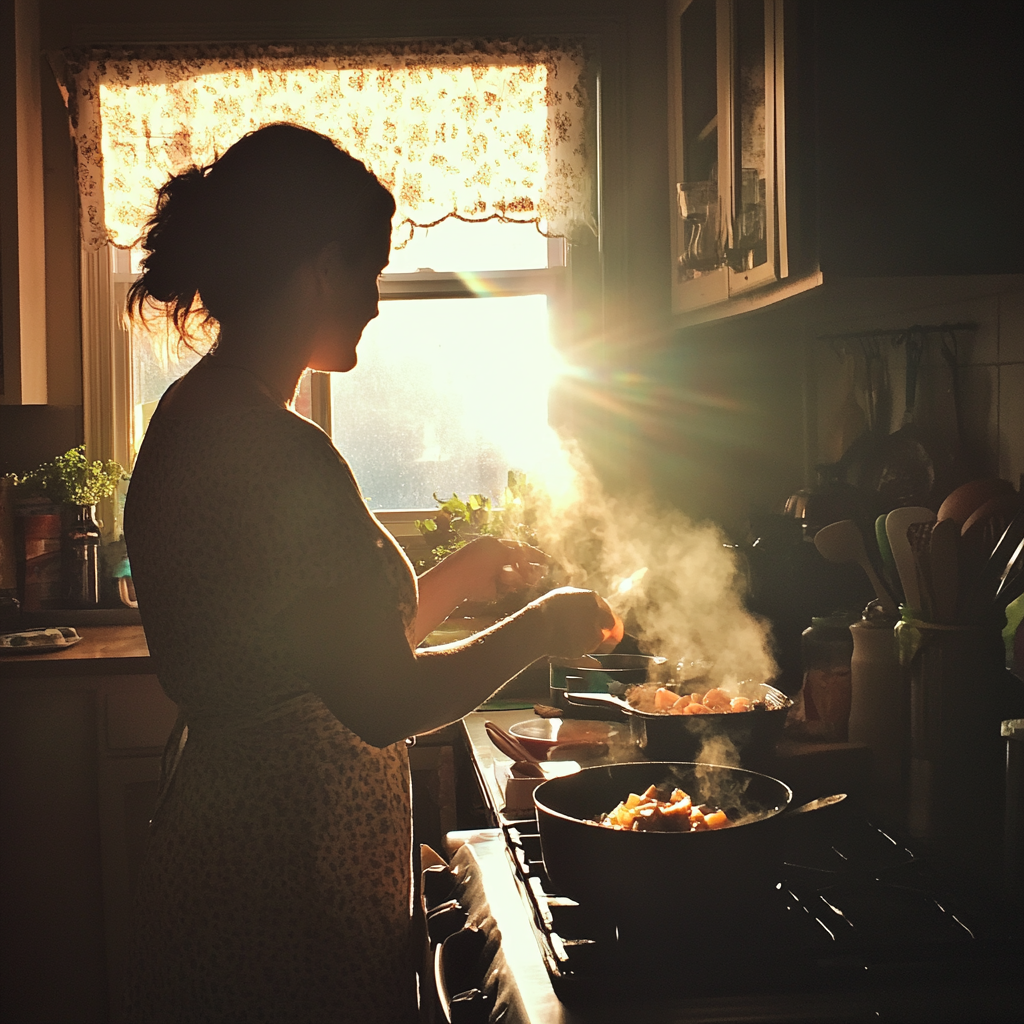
[
  {"x": 810, "y": 769},
  {"x": 103, "y": 650}
]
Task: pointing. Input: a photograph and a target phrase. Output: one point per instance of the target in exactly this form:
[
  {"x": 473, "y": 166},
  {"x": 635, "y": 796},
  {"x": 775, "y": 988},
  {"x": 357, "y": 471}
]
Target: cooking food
[
  {"x": 716, "y": 701},
  {"x": 661, "y": 810}
]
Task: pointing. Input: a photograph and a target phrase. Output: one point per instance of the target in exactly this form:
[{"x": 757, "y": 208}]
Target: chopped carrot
[{"x": 664, "y": 698}]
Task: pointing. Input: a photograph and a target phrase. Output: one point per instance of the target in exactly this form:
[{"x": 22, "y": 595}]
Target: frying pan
[
  {"x": 648, "y": 875},
  {"x": 752, "y": 735}
]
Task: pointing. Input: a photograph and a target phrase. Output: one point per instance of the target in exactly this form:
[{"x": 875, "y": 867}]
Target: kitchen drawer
[{"x": 139, "y": 715}]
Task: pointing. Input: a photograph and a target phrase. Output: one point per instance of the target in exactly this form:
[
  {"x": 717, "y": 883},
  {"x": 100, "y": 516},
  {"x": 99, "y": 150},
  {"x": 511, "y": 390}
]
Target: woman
[{"x": 283, "y": 620}]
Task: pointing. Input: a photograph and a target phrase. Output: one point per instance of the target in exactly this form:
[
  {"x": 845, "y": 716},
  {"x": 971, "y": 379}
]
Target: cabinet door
[
  {"x": 726, "y": 136},
  {"x": 136, "y": 719}
]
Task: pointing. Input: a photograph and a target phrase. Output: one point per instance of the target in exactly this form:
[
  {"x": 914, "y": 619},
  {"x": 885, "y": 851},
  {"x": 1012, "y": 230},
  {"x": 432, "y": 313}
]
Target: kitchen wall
[
  {"x": 723, "y": 420},
  {"x": 990, "y": 366}
]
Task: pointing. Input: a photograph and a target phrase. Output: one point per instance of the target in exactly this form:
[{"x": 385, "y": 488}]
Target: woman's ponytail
[{"x": 176, "y": 249}]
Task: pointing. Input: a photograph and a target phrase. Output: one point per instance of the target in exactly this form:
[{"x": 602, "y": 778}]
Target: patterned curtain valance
[{"x": 477, "y": 132}]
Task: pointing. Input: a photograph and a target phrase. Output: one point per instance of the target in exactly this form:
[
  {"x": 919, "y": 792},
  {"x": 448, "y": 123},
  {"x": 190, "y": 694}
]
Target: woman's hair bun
[
  {"x": 230, "y": 234},
  {"x": 174, "y": 245}
]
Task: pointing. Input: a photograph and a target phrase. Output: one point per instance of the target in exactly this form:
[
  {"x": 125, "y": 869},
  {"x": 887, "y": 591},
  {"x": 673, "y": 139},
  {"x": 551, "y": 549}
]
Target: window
[{"x": 486, "y": 151}]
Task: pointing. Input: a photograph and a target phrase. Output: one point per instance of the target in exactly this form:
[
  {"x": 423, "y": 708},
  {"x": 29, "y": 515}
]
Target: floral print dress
[{"x": 277, "y": 882}]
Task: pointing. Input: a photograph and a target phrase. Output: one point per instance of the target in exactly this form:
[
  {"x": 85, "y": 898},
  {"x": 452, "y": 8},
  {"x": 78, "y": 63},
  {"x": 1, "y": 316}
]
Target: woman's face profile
[{"x": 351, "y": 299}]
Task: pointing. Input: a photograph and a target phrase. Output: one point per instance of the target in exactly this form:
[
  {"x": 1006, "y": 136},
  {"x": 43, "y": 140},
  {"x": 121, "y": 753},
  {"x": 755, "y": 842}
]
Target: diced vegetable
[{"x": 661, "y": 811}]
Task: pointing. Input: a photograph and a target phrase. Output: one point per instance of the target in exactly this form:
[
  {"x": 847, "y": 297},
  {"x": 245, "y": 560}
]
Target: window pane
[
  {"x": 158, "y": 360},
  {"x": 447, "y": 396},
  {"x": 454, "y": 245}
]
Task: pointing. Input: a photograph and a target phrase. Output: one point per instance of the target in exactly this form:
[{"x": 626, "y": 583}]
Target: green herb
[
  {"x": 71, "y": 479},
  {"x": 457, "y": 522}
]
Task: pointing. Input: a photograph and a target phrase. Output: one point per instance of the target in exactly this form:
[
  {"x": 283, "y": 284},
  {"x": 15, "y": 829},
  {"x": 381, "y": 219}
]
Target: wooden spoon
[
  {"x": 897, "y": 523},
  {"x": 960, "y": 503},
  {"x": 842, "y": 542}
]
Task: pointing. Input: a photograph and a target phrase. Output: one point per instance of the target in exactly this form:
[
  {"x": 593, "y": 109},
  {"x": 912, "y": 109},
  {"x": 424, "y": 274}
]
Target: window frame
[{"x": 108, "y": 391}]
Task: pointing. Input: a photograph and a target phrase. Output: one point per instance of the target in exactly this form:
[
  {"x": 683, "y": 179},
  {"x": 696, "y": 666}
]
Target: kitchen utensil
[
  {"x": 960, "y": 503},
  {"x": 749, "y": 735},
  {"x": 994, "y": 515},
  {"x": 944, "y": 570},
  {"x": 600, "y": 673},
  {"x": 641, "y": 875},
  {"x": 511, "y": 747},
  {"x": 842, "y": 542},
  {"x": 978, "y": 600},
  {"x": 889, "y": 572},
  {"x": 897, "y": 523},
  {"x": 1008, "y": 579},
  {"x": 906, "y": 466},
  {"x": 920, "y": 537}
]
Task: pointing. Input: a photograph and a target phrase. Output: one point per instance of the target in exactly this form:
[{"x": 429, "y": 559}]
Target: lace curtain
[{"x": 475, "y": 132}]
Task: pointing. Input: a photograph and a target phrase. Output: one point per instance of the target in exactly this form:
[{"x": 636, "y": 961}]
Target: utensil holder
[
  {"x": 879, "y": 716},
  {"x": 955, "y": 784}
]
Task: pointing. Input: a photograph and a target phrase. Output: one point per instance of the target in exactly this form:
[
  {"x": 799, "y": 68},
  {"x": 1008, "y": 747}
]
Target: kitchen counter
[
  {"x": 102, "y": 651},
  {"x": 810, "y": 769}
]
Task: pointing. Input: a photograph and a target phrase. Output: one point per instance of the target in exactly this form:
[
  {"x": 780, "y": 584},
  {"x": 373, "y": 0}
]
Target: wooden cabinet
[
  {"x": 726, "y": 149},
  {"x": 80, "y": 746},
  {"x": 816, "y": 140}
]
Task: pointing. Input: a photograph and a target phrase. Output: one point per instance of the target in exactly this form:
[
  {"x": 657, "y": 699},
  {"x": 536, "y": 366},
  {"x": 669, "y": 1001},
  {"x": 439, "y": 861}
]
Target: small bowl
[{"x": 540, "y": 735}]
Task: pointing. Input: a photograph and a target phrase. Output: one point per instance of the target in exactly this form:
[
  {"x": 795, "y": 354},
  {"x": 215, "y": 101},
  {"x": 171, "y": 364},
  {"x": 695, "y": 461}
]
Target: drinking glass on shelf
[{"x": 701, "y": 248}]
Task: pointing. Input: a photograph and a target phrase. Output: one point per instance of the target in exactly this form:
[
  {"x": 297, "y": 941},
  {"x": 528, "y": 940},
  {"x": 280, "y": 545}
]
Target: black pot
[
  {"x": 641, "y": 876},
  {"x": 749, "y": 736}
]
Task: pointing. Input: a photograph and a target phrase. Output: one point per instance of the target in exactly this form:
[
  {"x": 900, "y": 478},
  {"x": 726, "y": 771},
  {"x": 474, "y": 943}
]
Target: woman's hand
[
  {"x": 575, "y": 621},
  {"x": 488, "y": 567},
  {"x": 481, "y": 571}
]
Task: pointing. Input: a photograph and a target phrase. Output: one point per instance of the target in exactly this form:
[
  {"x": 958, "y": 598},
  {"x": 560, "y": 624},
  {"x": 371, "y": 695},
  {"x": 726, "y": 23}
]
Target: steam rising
[{"x": 674, "y": 582}]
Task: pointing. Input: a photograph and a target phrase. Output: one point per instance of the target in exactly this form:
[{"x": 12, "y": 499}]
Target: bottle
[
  {"x": 81, "y": 556},
  {"x": 879, "y": 709}
]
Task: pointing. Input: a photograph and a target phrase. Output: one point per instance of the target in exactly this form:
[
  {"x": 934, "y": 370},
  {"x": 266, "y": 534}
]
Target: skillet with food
[{"x": 638, "y": 874}]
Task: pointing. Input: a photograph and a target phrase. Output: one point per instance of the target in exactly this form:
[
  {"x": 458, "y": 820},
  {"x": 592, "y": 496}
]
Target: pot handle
[{"x": 606, "y": 700}]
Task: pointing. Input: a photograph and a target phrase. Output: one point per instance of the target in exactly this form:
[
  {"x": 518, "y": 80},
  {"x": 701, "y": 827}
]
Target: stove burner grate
[{"x": 851, "y": 908}]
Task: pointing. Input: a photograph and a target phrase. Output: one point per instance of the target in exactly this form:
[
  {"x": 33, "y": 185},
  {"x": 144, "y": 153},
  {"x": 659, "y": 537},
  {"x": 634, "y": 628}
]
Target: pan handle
[{"x": 607, "y": 700}]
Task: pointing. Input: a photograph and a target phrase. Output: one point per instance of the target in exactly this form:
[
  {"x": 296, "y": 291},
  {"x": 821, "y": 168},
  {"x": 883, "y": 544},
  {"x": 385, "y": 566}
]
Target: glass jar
[{"x": 827, "y": 648}]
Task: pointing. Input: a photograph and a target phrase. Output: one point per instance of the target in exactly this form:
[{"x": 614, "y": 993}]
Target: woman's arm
[
  {"x": 357, "y": 658},
  {"x": 480, "y": 571}
]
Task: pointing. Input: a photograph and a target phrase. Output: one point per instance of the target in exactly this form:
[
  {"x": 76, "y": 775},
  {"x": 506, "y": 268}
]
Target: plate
[{"x": 39, "y": 641}]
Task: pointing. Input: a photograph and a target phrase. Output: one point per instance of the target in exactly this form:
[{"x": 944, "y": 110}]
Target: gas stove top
[{"x": 853, "y": 911}]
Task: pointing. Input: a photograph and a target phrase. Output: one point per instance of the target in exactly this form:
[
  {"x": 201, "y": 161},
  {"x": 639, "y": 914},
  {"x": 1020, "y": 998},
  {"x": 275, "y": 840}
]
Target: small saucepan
[
  {"x": 648, "y": 875},
  {"x": 749, "y": 735},
  {"x": 599, "y": 673}
]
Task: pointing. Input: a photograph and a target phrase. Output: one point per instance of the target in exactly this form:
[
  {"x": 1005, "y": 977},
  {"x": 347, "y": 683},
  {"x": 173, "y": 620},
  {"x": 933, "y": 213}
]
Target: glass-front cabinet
[{"x": 726, "y": 149}]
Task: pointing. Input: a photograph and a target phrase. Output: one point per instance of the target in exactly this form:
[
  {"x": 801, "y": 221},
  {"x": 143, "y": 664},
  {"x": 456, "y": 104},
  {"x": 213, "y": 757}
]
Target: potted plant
[{"x": 77, "y": 485}]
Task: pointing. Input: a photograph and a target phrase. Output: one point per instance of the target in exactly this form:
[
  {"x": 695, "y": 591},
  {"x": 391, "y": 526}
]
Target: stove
[{"x": 856, "y": 927}]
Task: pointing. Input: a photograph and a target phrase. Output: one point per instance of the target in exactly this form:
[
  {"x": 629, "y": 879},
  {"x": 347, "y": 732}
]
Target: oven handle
[{"x": 458, "y": 955}]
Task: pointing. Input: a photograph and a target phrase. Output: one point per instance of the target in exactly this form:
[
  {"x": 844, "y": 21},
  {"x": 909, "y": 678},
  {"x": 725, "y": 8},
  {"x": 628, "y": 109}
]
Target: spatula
[
  {"x": 842, "y": 542},
  {"x": 896, "y": 524}
]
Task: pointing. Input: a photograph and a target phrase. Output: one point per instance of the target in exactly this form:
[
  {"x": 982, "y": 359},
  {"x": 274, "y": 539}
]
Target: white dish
[{"x": 39, "y": 641}]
